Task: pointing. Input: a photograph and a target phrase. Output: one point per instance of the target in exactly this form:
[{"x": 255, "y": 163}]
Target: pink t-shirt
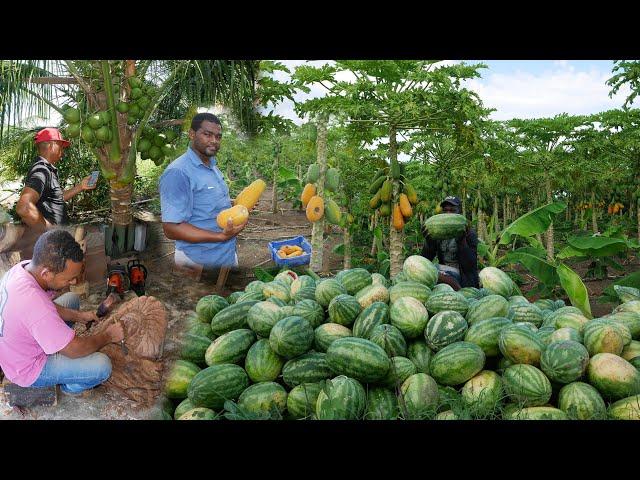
[{"x": 30, "y": 327}]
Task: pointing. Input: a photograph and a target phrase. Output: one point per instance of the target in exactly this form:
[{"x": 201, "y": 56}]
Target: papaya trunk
[
  {"x": 374, "y": 224},
  {"x": 496, "y": 224},
  {"x": 550, "y": 250},
  {"x": 317, "y": 233},
  {"x": 593, "y": 212},
  {"x": 347, "y": 248},
  {"x": 274, "y": 198},
  {"x": 464, "y": 202},
  {"x": 505, "y": 213},
  {"x": 539, "y": 238},
  {"x": 395, "y": 236}
]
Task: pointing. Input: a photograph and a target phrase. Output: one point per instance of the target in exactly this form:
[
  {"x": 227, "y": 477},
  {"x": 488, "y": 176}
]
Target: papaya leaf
[
  {"x": 263, "y": 275},
  {"x": 539, "y": 268},
  {"x": 532, "y": 223},
  {"x": 575, "y": 289},
  {"x": 286, "y": 174}
]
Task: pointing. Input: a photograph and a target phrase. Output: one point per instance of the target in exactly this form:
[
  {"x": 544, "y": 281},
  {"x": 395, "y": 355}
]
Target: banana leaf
[
  {"x": 597, "y": 246},
  {"x": 539, "y": 268},
  {"x": 575, "y": 289},
  {"x": 532, "y": 223}
]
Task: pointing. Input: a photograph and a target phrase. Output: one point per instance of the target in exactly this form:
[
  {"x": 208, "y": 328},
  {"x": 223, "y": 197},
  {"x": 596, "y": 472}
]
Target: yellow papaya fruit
[
  {"x": 315, "y": 209},
  {"x": 398, "y": 220},
  {"x": 238, "y": 214},
  {"x": 250, "y": 195},
  {"x": 405, "y": 206},
  {"x": 308, "y": 192}
]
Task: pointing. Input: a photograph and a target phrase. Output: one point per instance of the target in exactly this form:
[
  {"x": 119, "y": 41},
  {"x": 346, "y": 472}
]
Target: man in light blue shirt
[{"x": 192, "y": 194}]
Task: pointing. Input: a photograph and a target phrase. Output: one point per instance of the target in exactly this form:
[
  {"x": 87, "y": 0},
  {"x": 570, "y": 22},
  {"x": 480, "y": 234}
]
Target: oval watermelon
[
  {"x": 419, "y": 397},
  {"x": 262, "y": 364},
  {"x": 445, "y": 328},
  {"x": 358, "y": 358},
  {"x": 625, "y": 409},
  {"x": 301, "y": 401},
  {"x": 327, "y": 333},
  {"x": 311, "y": 367},
  {"x": 231, "y": 318},
  {"x": 613, "y": 376},
  {"x": 565, "y": 361},
  {"x": 409, "y": 316},
  {"x": 439, "y": 302},
  {"x": 400, "y": 369},
  {"x": 343, "y": 310},
  {"x": 375, "y": 314},
  {"x": 382, "y": 404},
  {"x": 390, "y": 339},
  {"x": 486, "y": 334},
  {"x": 372, "y": 293},
  {"x": 483, "y": 394},
  {"x": 526, "y": 385},
  {"x": 341, "y": 398},
  {"x": 231, "y": 347},
  {"x": 327, "y": 290},
  {"x": 214, "y": 385},
  {"x": 580, "y": 401},
  {"x": 457, "y": 363},
  {"x": 180, "y": 376},
  {"x": 267, "y": 399},
  {"x": 421, "y": 270},
  {"x": 520, "y": 345},
  {"x": 409, "y": 289},
  {"x": 291, "y": 336},
  {"x": 209, "y": 305},
  {"x": 310, "y": 310},
  {"x": 490, "y": 306},
  {"x": 497, "y": 282},
  {"x": 420, "y": 354}
]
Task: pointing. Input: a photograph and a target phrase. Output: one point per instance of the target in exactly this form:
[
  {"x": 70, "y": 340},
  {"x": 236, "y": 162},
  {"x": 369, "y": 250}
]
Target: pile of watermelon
[{"x": 359, "y": 347}]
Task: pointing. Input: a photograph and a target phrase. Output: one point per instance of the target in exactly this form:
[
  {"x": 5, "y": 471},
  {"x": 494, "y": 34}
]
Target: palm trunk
[
  {"x": 347, "y": 248},
  {"x": 593, "y": 212},
  {"x": 395, "y": 237},
  {"x": 317, "y": 243},
  {"x": 550, "y": 250}
]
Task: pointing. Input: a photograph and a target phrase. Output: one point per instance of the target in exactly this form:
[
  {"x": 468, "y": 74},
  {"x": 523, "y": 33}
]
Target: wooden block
[
  {"x": 28, "y": 397},
  {"x": 222, "y": 278}
]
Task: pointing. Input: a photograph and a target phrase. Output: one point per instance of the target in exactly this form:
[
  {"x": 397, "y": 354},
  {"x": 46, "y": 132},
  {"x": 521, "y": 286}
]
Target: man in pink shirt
[{"x": 38, "y": 348}]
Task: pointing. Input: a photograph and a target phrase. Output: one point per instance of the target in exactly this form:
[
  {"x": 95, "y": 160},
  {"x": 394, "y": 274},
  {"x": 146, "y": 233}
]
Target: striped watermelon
[
  {"x": 580, "y": 401},
  {"x": 400, "y": 277},
  {"x": 419, "y": 397},
  {"x": 444, "y": 226},
  {"x": 468, "y": 292},
  {"x": 409, "y": 289},
  {"x": 400, "y": 369},
  {"x": 536, "y": 413},
  {"x": 310, "y": 310},
  {"x": 231, "y": 347},
  {"x": 180, "y": 376},
  {"x": 195, "y": 343},
  {"x": 602, "y": 336},
  {"x": 382, "y": 404},
  {"x": 343, "y": 310},
  {"x": 442, "y": 287},
  {"x": 544, "y": 304},
  {"x": 327, "y": 333},
  {"x": 301, "y": 401},
  {"x": 497, "y": 282},
  {"x": 390, "y": 339},
  {"x": 378, "y": 279},
  {"x": 630, "y": 319},
  {"x": 438, "y": 302},
  {"x": 199, "y": 413},
  {"x": 214, "y": 385},
  {"x": 446, "y": 415},
  {"x": 526, "y": 385},
  {"x": 409, "y": 316},
  {"x": 286, "y": 276},
  {"x": 262, "y": 317},
  {"x": 276, "y": 301},
  {"x": 420, "y": 354},
  {"x": 255, "y": 286},
  {"x": 546, "y": 335},
  {"x": 613, "y": 376},
  {"x": 248, "y": 296},
  {"x": 375, "y": 314},
  {"x": 308, "y": 368},
  {"x": 519, "y": 300},
  {"x": 566, "y": 333},
  {"x": 625, "y": 409},
  {"x": 303, "y": 288},
  {"x": 457, "y": 363},
  {"x": 231, "y": 318},
  {"x": 358, "y": 358},
  {"x": 209, "y": 305},
  {"x": 267, "y": 399},
  {"x": 421, "y": 270},
  {"x": 631, "y": 351},
  {"x": 483, "y": 394},
  {"x": 291, "y": 336},
  {"x": 520, "y": 345},
  {"x": 233, "y": 297},
  {"x": 626, "y": 294},
  {"x": 262, "y": 364},
  {"x": 327, "y": 290},
  {"x": 372, "y": 293},
  {"x": 564, "y": 361},
  {"x": 486, "y": 334},
  {"x": 341, "y": 398},
  {"x": 632, "y": 306},
  {"x": 525, "y": 313},
  {"x": 354, "y": 279},
  {"x": 528, "y": 326},
  {"x": 574, "y": 320},
  {"x": 183, "y": 407},
  {"x": 490, "y": 306},
  {"x": 445, "y": 328},
  {"x": 278, "y": 289}
]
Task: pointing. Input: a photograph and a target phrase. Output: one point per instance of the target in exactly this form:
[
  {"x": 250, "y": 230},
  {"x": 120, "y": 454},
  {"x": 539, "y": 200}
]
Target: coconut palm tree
[{"x": 120, "y": 108}]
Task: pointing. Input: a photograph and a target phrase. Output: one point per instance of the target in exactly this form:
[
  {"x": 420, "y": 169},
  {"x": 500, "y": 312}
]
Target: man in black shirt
[
  {"x": 42, "y": 202},
  {"x": 457, "y": 257}
]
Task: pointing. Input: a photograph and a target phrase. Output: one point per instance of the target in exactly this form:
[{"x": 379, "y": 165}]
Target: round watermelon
[
  {"x": 445, "y": 328},
  {"x": 375, "y": 314},
  {"x": 565, "y": 361},
  {"x": 526, "y": 385},
  {"x": 291, "y": 336},
  {"x": 497, "y": 282},
  {"x": 311, "y": 367},
  {"x": 327, "y": 333},
  {"x": 390, "y": 339},
  {"x": 409, "y": 316},
  {"x": 310, "y": 310},
  {"x": 421, "y": 270},
  {"x": 419, "y": 397},
  {"x": 580, "y": 401},
  {"x": 262, "y": 364},
  {"x": 327, "y": 290},
  {"x": 343, "y": 310},
  {"x": 267, "y": 399},
  {"x": 341, "y": 398}
]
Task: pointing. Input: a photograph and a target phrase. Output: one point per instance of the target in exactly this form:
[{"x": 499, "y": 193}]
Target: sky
[{"x": 522, "y": 88}]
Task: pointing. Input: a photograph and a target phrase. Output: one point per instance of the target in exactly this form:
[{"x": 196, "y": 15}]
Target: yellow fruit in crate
[
  {"x": 251, "y": 194},
  {"x": 238, "y": 214}
]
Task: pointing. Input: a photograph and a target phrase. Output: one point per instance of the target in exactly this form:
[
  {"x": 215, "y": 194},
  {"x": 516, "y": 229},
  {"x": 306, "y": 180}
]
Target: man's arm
[
  {"x": 83, "y": 346},
  {"x": 71, "y": 315},
  {"x": 192, "y": 234},
  {"x": 81, "y": 187},
  {"x": 28, "y": 211}
]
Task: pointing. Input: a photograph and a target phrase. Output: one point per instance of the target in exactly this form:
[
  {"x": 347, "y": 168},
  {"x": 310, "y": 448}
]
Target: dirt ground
[{"x": 179, "y": 297}]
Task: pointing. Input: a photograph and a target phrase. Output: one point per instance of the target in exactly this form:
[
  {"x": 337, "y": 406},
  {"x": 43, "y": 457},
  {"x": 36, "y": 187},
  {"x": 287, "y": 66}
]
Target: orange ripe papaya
[
  {"x": 238, "y": 214},
  {"x": 308, "y": 192},
  {"x": 398, "y": 220},
  {"x": 405, "y": 206},
  {"x": 315, "y": 208},
  {"x": 251, "y": 194}
]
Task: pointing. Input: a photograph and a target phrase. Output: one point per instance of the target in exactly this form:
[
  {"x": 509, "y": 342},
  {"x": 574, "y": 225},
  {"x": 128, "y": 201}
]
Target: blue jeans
[
  {"x": 447, "y": 270},
  {"x": 74, "y": 375}
]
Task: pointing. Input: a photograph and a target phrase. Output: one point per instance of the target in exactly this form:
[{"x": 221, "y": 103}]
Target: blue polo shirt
[{"x": 194, "y": 193}]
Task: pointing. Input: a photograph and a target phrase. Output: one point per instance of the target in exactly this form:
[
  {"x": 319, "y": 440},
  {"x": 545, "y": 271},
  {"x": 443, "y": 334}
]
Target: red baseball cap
[{"x": 51, "y": 135}]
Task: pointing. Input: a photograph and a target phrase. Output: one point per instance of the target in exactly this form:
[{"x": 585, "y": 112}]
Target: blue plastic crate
[{"x": 303, "y": 259}]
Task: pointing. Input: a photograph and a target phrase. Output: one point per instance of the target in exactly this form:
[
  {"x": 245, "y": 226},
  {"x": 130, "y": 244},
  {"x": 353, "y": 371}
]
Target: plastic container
[{"x": 303, "y": 259}]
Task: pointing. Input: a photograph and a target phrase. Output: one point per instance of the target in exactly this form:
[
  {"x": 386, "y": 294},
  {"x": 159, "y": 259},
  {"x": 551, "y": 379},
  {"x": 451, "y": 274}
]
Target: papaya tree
[
  {"x": 385, "y": 99},
  {"x": 120, "y": 108}
]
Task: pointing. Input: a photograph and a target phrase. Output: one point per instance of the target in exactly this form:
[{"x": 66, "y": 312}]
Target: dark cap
[{"x": 455, "y": 201}]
